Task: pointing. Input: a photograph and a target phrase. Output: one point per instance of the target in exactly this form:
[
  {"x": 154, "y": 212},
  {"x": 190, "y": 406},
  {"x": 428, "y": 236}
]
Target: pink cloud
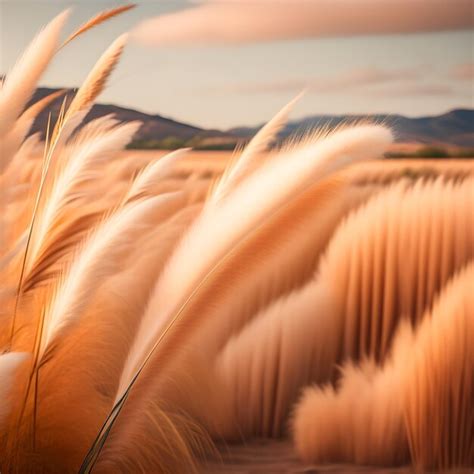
[
  {"x": 242, "y": 21},
  {"x": 464, "y": 72},
  {"x": 413, "y": 90},
  {"x": 364, "y": 78}
]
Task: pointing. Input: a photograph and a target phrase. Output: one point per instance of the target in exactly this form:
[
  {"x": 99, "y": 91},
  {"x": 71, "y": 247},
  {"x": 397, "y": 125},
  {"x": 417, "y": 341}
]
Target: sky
[{"x": 225, "y": 63}]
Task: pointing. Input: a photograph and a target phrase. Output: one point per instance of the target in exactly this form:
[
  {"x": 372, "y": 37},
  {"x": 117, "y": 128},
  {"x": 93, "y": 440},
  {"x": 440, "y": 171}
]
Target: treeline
[
  {"x": 173, "y": 143},
  {"x": 433, "y": 152},
  {"x": 220, "y": 144}
]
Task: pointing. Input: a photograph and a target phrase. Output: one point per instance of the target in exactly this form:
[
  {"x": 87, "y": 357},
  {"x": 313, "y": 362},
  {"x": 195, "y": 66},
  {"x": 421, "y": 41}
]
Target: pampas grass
[
  {"x": 270, "y": 186},
  {"x": 250, "y": 157},
  {"x": 438, "y": 386},
  {"x": 148, "y": 310},
  {"x": 94, "y": 143},
  {"x": 419, "y": 403},
  {"x": 361, "y": 421},
  {"x": 393, "y": 256},
  {"x": 338, "y": 315},
  {"x": 21, "y": 81},
  {"x": 97, "y": 20}
]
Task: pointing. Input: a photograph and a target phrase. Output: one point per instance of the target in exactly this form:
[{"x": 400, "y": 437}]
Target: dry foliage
[
  {"x": 418, "y": 404},
  {"x": 146, "y": 314}
]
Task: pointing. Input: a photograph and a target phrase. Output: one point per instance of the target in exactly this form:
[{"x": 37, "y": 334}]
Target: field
[
  {"x": 196, "y": 173},
  {"x": 214, "y": 162},
  {"x": 307, "y": 308}
]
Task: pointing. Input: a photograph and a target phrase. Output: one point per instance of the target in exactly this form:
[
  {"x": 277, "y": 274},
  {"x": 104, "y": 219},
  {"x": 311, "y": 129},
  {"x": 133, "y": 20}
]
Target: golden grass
[
  {"x": 418, "y": 404},
  {"x": 147, "y": 309}
]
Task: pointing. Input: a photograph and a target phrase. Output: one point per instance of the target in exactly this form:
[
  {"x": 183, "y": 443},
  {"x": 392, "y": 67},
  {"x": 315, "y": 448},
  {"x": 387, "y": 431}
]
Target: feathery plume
[
  {"x": 97, "y": 78},
  {"x": 21, "y": 81},
  {"x": 97, "y": 20},
  {"x": 92, "y": 146},
  {"x": 249, "y": 158},
  {"x": 154, "y": 172},
  {"x": 272, "y": 185},
  {"x": 108, "y": 239},
  {"x": 315, "y": 162}
]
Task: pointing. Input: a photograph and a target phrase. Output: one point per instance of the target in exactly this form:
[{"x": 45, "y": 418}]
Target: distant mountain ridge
[
  {"x": 454, "y": 128},
  {"x": 153, "y": 126}
]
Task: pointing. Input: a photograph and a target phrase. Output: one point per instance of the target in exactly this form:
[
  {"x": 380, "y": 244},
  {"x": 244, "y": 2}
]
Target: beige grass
[
  {"x": 413, "y": 405},
  {"x": 146, "y": 308}
]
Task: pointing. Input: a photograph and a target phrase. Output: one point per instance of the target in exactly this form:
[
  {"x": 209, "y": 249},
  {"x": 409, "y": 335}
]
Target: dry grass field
[
  {"x": 303, "y": 309},
  {"x": 213, "y": 163}
]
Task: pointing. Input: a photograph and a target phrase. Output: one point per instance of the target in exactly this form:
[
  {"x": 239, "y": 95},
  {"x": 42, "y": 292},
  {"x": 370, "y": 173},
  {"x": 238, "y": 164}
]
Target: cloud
[
  {"x": 348, "y": 81},
  {"x": 414, "y": 90},
  {"x": 463, "y": 72},
  {"x": 243, "y": 21}
]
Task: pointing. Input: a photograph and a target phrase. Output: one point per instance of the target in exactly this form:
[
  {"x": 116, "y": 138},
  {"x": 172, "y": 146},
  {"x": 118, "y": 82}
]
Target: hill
[
  {"x": 154, "y": 128},
  {"x": 454, "y": 128}
]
